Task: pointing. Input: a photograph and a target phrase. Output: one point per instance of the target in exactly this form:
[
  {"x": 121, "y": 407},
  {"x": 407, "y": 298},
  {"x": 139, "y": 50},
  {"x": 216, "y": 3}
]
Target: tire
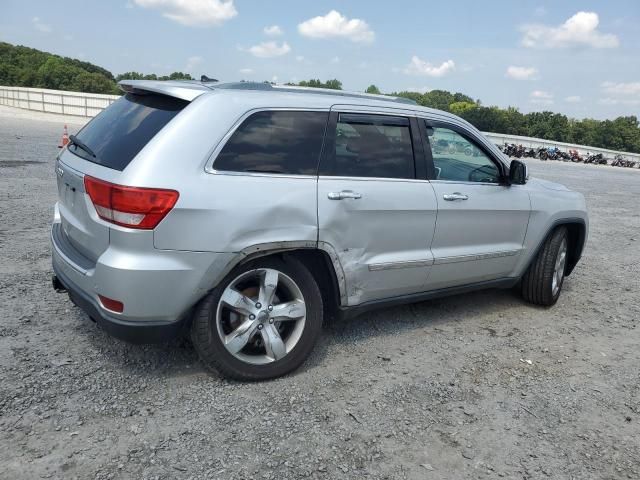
[
  {"x": 542, "y": 282},
  {"x": 258, "y": 358}
]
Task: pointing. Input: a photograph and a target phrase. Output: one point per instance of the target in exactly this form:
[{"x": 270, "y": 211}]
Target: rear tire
[
  {"x": 542, "y": 282},
  {"x": 266, "y": 347}
]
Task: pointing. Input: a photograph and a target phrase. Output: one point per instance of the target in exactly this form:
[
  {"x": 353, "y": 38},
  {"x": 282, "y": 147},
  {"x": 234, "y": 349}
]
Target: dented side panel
[
  {"x": 234, "y": 212},
  {"x": 381, "y": 240}
]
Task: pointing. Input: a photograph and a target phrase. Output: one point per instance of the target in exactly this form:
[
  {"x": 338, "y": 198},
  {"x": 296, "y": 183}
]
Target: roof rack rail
[{"x": 317, "y": 91}]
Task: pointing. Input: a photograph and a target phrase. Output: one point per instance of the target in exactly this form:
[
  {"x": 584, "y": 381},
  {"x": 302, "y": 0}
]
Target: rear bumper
[
  {"x": 158, "y": 288},
  {"x": 133, "y": 332}
]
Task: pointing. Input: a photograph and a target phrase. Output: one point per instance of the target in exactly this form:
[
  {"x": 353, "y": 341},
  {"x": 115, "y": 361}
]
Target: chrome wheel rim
[
  {"x": 261, "y": 316},
  {"x": 558, "y": 272}
]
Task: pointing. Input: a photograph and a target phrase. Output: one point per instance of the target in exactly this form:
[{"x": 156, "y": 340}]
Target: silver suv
[{"x": 246, "y": 213}]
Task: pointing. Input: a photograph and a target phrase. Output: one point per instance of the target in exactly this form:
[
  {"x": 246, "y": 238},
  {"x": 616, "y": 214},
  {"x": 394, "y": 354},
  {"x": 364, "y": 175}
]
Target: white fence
[
  {"x": 56, "y": 101},
  {"x": 90, "y": 104},
  {"x": 529, "y": 142}
]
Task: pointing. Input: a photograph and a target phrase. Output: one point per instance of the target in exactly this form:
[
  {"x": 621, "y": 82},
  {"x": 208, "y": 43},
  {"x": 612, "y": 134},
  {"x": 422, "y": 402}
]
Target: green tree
[
  {"x": 334, "y": 84},
  {"x": 458, "y": 108},
  {"x": 373, "y": 89}
]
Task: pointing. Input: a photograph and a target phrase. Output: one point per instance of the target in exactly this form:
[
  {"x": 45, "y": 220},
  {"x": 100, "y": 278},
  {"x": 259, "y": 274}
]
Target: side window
[
  {"x": 372, "y": 146},
  {"x": 457, "y": 159},
  {"x": 275, "y": 142}
]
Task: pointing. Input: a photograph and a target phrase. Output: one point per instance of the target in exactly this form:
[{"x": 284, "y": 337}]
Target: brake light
[{"x": 133, "y": 207}]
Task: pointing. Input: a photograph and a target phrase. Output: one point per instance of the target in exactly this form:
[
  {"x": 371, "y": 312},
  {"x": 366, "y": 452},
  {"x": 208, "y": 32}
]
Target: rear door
[
  {"x": 482, "y": 221},
  {"x": 375, "y": 207},
  {"x": 113, "y": 139}
]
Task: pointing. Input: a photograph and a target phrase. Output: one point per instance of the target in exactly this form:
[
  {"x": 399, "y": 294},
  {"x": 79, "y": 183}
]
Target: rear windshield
[{"x": 118, "y": 133}]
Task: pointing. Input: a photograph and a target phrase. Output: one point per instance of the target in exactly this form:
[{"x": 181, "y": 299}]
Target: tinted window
[
  {"x": 372, "y": 146},
  {"x": 457, "y": 159},
  {"x": 118, "y": 133},
  {"x": 275, "y": 142}
]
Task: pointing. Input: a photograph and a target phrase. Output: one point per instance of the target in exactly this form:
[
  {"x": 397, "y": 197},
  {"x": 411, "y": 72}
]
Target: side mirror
[{"x": 518, "y": 173}]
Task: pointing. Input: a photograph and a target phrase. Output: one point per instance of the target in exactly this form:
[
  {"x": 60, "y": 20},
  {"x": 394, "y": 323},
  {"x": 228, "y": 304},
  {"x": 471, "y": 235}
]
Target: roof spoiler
[{"x": 179, "y": 89}]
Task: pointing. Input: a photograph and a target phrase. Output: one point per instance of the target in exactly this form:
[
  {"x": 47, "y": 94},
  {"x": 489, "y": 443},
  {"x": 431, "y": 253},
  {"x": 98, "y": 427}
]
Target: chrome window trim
[
  {"x": 223, "y": 141},
  {"x": 375, "y": 179},
  {"x": 466, "y": 182}
]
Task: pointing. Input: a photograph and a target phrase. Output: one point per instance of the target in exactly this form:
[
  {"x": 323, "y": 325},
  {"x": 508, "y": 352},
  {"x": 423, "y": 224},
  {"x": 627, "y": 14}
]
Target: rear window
[
  {"x": 118, "y": 133},
  {"x": 275, "y": 142}
]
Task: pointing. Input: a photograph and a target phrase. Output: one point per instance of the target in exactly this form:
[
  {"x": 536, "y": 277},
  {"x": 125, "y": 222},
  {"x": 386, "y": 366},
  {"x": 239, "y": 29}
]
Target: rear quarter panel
[{"x": 221, "y": 212}]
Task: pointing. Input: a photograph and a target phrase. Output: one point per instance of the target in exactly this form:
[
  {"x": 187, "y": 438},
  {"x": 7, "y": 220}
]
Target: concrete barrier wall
[
  {"x": 56, "y": 101},
  {"x": 90, "y": 104}
]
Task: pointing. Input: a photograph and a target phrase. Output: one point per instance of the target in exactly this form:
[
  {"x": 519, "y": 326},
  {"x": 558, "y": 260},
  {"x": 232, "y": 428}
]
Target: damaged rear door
[{"x": 375, "y": 206}]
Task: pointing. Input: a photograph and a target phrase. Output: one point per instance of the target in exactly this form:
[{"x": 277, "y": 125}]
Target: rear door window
[
  {"x": 372, "y": 146},
  {"x": 118, "y": 133},
  {"x": 284, "y": 142}
]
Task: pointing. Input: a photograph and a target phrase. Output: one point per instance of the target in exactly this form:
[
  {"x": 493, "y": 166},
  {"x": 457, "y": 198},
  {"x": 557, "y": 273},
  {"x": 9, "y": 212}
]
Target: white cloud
[
  {"x": 621, "y": 93},
  {"x": 41, "y": 27},
  {"x": 612, "y": 88},
  {"x": 618, "y": 101},
  {"x": 579, "y": 30},
  {"x": 193, "y": 62},
  {"x": 418, "y": 66},
  {"x": 269, "y": 49},
  {"x": 541, "y": 97},
  {"x": 521, "y": 73},
  {"x": 273, "y": 31},
  {"x": 193, "y": 13},
  {"x": 573, "y": 99},
  {"x": 246, "y": 71},
  {"x": 334, "y": 24}
]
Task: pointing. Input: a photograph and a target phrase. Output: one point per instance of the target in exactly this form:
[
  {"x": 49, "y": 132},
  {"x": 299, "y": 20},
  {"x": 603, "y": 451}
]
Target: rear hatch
[{"x": 113, "y": 138}]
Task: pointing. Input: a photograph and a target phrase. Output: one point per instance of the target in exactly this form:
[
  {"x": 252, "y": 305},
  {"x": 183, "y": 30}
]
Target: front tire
[
  {"x": 542, "y": 283},
  {"x": 262, "y": 321}
]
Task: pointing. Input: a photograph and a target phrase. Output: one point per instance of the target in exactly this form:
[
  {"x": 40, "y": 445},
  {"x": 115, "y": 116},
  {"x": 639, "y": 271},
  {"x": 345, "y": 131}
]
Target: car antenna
[{"x": 204, "y": 78}]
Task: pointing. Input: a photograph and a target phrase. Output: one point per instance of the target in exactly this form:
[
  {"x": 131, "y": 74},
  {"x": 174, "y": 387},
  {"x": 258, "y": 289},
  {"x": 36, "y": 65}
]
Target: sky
[{"x": 577, "y": 57}]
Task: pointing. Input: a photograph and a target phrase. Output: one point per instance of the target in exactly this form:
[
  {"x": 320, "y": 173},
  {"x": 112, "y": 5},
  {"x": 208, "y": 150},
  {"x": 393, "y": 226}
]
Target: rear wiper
[{"x": 79, "y": 143}]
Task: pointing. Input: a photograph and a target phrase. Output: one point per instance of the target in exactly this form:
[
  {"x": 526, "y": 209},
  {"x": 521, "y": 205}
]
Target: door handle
[
  {"x": 344, "y": 194},
  {"x": 451, "y": 197}
]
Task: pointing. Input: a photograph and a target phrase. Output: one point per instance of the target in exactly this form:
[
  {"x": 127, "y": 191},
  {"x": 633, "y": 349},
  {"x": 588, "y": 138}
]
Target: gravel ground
[{"x": 475, "y": 386}]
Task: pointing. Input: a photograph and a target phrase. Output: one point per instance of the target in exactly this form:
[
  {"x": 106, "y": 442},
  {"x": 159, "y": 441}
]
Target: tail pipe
[{"x": 57, "y": 284}]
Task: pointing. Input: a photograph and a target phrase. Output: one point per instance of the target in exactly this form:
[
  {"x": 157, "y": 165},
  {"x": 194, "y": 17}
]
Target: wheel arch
[
  {"x": 320, "y": 258},
  {"x": 577, "y": 234}
]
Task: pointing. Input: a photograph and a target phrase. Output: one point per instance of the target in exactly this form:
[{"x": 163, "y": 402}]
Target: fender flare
[{"x": 580, "y": 241}]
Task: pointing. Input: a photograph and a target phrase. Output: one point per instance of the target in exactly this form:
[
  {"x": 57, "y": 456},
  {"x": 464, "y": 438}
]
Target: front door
[
  {"x": 482, "y": 221},
  {"x": 374, "y": 209}
]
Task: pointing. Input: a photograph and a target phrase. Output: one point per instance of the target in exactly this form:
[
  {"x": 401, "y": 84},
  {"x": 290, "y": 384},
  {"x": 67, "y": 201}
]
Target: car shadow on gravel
[
  {"x": 432, "y": 313},
  {"x": 179, "y": 359}
]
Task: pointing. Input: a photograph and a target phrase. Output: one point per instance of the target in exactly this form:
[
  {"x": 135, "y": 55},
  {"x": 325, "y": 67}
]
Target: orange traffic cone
[{"x": 65, "y": 138}]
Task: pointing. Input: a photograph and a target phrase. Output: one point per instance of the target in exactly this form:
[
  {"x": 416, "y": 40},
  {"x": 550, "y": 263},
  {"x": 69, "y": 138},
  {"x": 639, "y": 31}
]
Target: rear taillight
[{"x": 132, "y": 207}]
